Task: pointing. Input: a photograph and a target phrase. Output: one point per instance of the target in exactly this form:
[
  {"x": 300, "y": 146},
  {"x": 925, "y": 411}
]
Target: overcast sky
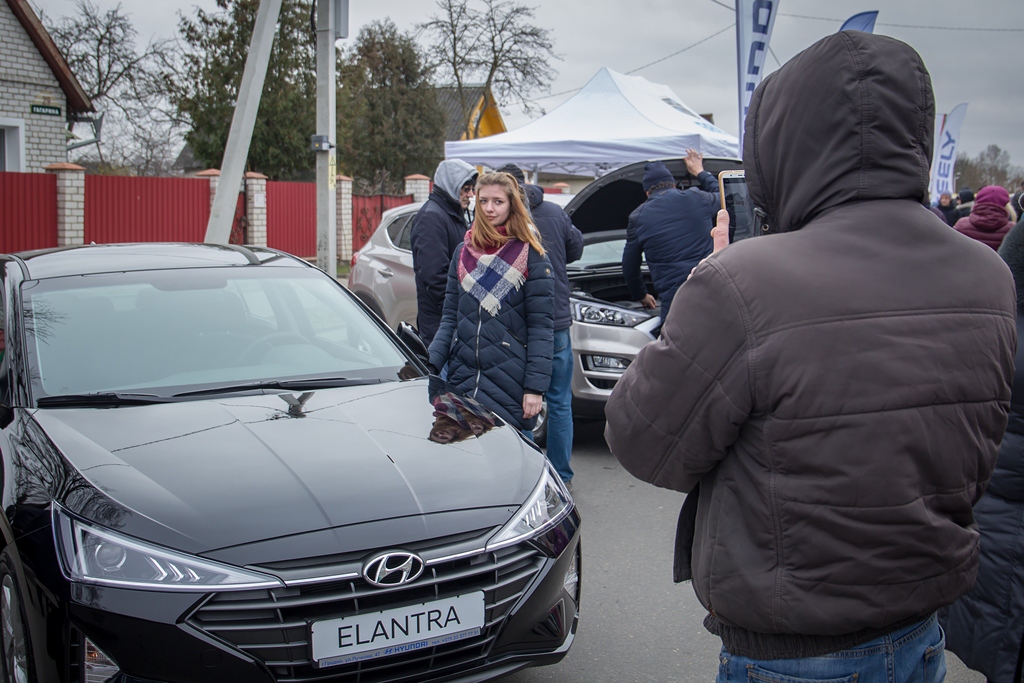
[{"x": 981, "y": 68}]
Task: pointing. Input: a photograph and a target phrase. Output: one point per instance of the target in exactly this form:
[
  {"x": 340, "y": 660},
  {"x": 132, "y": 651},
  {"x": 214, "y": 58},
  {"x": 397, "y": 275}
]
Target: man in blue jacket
[
  {"x": 672, "y": 229},
  {"x": 563, "y": 242},
  {"x": 437, "y": 229}
]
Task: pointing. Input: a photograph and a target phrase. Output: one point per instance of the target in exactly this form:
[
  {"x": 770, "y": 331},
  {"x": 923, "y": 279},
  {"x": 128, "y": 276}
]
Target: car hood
[
  {"x": 211, "y": 474},
  {"x": 606, "y": 203}
]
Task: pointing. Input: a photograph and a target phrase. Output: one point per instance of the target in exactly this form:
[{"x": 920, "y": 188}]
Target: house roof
[
  {"x": 187, "y": 160},
  {"x": 456, "y": 117},
  {"x": 78, "y": 100}
]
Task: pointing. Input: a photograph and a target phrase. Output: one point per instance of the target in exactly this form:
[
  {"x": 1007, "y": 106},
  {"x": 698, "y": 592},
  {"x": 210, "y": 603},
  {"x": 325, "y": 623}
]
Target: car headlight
[
  {"x": 93, "y": 554},
  {"x": 548, "y": 505},
  {"x": 605, "y": 314}
]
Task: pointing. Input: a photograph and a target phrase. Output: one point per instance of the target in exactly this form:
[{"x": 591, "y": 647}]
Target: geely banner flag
[
  {"x": 754, "y": 22},
  {"x": 865, "y": 21},
  {"x": 945, "y": 153}
]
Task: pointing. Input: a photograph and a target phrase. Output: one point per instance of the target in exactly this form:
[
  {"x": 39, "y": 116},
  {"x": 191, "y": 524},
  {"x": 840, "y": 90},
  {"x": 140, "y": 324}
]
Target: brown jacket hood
[{"x": 866, "y": 134}]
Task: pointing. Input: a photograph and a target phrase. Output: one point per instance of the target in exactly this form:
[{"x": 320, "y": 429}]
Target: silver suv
[{"x": 608, "y": 329}]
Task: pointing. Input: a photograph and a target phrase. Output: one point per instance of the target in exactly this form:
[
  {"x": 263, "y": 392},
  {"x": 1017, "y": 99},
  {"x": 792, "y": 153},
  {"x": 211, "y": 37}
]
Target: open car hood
[{"x": 606, "y": 203}]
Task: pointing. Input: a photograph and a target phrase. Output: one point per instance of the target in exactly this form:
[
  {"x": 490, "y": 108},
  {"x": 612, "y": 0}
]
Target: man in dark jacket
[
  {"x": 671, "y": 229},
  {"x": 831, "y": 395},
  {"x": 439, "y": 227},
  {"x": 564, "y": 244},
  {"x": 965, "y": 203}
]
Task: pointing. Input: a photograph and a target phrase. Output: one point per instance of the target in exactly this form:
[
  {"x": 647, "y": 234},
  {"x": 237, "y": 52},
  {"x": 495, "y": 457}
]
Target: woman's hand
[{"x": 531, "y": 405}]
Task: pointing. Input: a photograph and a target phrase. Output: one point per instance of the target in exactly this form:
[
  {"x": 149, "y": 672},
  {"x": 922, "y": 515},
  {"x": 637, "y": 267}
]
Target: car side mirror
[{"x": 411, "y": 339}]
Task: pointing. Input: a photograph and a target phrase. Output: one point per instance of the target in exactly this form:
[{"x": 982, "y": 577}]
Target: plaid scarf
[
  {"x": 489, "y": 278},
  {"x": 459, "y": 408}
]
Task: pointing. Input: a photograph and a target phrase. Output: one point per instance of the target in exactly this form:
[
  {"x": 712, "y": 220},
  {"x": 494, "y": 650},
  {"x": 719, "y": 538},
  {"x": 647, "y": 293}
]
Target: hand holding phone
[
  {"x": 732, "y": 189},
  {"x": 720, "y": 233}
]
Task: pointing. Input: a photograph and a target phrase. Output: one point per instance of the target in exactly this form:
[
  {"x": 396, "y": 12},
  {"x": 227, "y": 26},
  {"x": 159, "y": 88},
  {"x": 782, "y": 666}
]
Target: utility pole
[
  {"x": 331, "y": 24},
  {"x": 222, "y": 214}
]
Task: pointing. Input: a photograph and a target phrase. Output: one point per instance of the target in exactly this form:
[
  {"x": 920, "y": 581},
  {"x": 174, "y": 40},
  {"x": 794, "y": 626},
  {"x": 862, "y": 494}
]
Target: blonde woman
[{"x": 497, "y": 324}]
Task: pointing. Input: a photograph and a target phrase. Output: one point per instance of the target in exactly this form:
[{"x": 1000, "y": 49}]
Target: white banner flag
[
  {"x": 754, "y": 22},
  {"x": 945, "y": 153}
]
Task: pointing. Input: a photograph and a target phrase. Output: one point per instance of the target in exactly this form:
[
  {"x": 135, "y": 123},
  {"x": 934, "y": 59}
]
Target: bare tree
[
  {"x": 495, "y": 45},
  {"x": 991, "y": 167},
  {"x": 125, "y": 82}
]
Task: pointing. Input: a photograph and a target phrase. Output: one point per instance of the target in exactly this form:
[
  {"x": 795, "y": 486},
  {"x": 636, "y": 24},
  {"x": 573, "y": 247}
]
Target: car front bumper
[
  {"x": 263, "y": 635},
  {"x": 591, "y": 388}
]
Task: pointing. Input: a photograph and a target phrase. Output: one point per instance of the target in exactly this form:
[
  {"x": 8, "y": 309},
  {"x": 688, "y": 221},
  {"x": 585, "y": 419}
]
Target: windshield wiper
[
  {"x": 283, "y": 385},
  {"x": 103, "y": 399}
]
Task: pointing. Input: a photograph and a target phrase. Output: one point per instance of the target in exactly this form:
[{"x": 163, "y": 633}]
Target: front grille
[{"x": 273, "y": 625}]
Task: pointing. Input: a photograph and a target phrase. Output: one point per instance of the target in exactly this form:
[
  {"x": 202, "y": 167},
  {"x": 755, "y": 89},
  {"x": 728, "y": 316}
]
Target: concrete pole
[
  {"x": 218, "y": 229},
  {"x": 326, "y": 127}
]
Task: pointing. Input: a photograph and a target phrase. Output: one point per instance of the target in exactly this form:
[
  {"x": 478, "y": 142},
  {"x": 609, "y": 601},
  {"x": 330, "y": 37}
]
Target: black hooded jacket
[
  {"x": 563, "y": 243},
  {"x": 439, "y": 227},
  {"x": 839, "y": 387}
]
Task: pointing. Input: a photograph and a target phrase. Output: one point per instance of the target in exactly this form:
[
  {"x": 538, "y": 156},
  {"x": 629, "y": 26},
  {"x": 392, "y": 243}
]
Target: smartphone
[{"x": 732, "y": 186}]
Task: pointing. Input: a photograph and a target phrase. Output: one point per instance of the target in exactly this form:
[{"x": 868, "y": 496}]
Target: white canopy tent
[{"x": 613, "y": 121}]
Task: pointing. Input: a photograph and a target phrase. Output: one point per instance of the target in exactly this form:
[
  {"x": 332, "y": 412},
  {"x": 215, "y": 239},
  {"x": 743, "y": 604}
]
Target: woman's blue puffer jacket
[{"x": 495, "y": 359}]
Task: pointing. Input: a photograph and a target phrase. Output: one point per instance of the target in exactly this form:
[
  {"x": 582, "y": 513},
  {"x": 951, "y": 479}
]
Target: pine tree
[
  {"x": 389, "y": 121},
  {"x": 205, "y": 90}
]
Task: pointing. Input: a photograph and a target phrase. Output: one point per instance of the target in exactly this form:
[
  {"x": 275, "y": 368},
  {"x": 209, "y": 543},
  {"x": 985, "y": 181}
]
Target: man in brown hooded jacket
[{"x": 831, "y": 395}]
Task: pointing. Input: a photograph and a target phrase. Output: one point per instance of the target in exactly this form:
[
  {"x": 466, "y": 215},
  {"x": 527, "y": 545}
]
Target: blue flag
[{"x": 865, "y": 21}]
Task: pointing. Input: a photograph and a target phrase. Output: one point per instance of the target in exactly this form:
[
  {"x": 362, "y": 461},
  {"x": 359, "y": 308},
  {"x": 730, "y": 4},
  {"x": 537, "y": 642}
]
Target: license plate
[{"x": 395, "y": 631}]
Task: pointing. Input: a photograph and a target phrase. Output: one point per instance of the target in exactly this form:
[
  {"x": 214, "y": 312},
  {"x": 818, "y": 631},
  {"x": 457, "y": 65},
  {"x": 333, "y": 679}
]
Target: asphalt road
[{"x": 635, "y": 624}]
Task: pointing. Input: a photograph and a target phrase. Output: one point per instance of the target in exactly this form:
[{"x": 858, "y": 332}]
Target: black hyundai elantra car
[{"x": 219, "y": 466}]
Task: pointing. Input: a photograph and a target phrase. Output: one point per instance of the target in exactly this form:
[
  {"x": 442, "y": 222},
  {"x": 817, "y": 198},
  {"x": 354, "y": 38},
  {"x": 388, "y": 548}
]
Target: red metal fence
[
  {"x": 130, "y": 209},
  {"x": 366, "y": 213},
  {"x": 291, "y": 218},
  {"x": 28, "y": 211}
]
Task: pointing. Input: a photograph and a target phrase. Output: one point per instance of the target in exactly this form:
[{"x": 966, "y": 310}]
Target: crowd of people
[{"x": 837, "y": 398}]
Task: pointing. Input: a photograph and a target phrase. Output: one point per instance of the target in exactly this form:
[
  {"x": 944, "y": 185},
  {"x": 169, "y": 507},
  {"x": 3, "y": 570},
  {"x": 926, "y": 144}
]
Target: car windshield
[
  {"x": 600, "y": 254},
  {"x": 169, "y": 331}
]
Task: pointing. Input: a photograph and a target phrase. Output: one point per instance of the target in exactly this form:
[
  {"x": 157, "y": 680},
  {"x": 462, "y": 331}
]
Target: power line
[
  {"x": 656, "y": 61},
  {"x": 688, "y": 47},
  {"x": 931, "y": 28}
]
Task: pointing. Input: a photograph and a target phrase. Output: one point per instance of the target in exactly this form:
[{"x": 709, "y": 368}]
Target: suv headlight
[
  {"x": 93, "y": 554},
  {"x": 548, "y": 505},
  {"x": 605, "y": 314}
]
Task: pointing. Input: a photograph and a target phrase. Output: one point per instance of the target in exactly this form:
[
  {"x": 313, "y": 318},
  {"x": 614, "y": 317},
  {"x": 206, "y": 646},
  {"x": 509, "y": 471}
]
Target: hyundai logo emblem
[{"x": 393, "y": 569}]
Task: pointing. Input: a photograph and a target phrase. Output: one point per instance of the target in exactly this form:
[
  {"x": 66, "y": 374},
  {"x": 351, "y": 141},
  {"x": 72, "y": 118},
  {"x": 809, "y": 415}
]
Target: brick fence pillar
[
  {"x": 70, "y": 203},
  {"x": 214, "y": 177},
  {"x": 418, "y": 186},
  {"x": 344, "y": 195},
  {"x": 256, "y": 208}
]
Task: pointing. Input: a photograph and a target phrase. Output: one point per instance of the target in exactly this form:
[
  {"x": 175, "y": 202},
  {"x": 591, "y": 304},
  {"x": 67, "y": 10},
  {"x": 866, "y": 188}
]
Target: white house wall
[{"x": 25, "y": 80}]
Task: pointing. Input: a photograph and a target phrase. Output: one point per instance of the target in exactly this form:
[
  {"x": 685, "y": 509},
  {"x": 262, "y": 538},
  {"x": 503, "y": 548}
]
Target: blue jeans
[
  {"x": 559, "y": 399},
  {"x": 914, "y": 654}
]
